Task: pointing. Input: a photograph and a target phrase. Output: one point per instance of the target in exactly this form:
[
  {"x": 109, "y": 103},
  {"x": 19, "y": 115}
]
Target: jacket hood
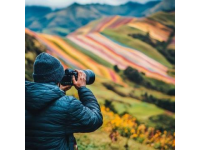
[{"x": 40, "y": 95}]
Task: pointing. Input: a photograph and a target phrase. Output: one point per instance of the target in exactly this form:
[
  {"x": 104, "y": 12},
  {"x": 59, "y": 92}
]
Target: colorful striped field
[
  {"x": 155, "y": 29},
  {"x": 70, "y": 56},
  {"x": 107, "y": 22},
  {"x": 121, "y": 56},
  {"x": 90, "y": 38}
]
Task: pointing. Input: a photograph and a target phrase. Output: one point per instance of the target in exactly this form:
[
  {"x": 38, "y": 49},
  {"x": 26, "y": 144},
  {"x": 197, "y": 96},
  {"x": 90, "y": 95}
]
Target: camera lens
[{"x": 90, "y": 76}]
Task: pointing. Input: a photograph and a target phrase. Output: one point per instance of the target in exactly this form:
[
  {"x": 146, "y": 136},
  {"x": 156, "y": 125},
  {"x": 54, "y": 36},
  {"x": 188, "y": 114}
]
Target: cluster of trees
[
  {"x": 163, "y": 122},
  {"x": 133, "y": 75},
  {"x": 139, "y": 78},
  {"x": 163, "y": 103}
]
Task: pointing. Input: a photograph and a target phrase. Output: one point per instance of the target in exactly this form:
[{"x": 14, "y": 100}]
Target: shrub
[{"x": 133, "y": 75}]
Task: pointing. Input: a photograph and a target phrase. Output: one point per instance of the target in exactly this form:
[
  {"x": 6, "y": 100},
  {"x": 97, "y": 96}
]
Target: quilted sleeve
[{"x": 85, "y": 115}]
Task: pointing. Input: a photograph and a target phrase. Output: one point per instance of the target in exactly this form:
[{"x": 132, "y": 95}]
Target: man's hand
[
  {"x": 65, "y": 88},
  {"x": 81, "y": 81}
]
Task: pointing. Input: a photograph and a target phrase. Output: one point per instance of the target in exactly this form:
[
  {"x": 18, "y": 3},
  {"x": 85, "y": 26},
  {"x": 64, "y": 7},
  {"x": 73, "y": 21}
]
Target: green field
[
  {"x": 165, "y": 18},
  {"x": 55, "y": 31},
  {"x": 141, "y": 110}
]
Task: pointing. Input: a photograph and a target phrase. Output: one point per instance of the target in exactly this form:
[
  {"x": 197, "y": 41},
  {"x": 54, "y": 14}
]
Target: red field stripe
[
  {"x": 112, "y": 75},
  {"x": 123, "y": 21},
  {"x": 114, "y": 24},
  {"x": 101, "y": 51},
  {"x": 104, "y": 25},
  {"x": 103, "y": 22}
]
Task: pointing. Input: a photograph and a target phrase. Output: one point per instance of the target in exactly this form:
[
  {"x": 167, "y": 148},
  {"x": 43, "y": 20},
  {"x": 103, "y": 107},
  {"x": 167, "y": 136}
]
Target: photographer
[{"x": 51, "y": 116}]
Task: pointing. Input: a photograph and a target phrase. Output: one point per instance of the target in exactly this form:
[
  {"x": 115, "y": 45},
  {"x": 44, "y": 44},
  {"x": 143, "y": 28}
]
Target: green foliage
[
  {"x": 164, "y": 18},
  {"x": 171, "y": 92},
  {"x": 99, "y": 140},
  {"x": 162, "y": 122},
  {"x": 133, "y": 75},
  {"x": 145, "y": 38},
  {"x": 157, "y": 85},
  {"x": 109, "y": 105},
  {"x": 32, "y": 49},
  {"x": 163, "y": 103},
  {"x": 116, "y": 68}
]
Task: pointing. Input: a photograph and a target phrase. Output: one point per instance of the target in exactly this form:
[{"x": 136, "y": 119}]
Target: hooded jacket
[{"x": 51, "y": 117}]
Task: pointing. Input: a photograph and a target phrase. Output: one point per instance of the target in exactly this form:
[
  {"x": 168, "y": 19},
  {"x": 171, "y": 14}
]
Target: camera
[{"x": 69, "y": 73}]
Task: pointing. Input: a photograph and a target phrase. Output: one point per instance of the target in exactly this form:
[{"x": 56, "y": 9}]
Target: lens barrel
[{"x": 90, "y": 76}]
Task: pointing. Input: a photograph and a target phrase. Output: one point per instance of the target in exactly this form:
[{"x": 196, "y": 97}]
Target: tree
[
  {"x": 116, "y": 68},
  {"x": 133, "y": 75}
]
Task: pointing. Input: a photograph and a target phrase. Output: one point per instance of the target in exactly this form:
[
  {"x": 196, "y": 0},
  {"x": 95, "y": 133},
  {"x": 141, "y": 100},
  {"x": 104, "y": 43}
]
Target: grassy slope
[
  {"x": 99, "y": 140},
  {"x": 141, "y": 110},
  {"x": 55, "y": 31},
  {"x": 164, "y": 17},
  {"x": 163, "y": 85},
  {"x": 138, "y": 90},
  {"x": 122, "y": 37}
]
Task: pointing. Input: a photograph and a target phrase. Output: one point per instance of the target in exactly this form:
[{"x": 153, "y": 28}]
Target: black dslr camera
[{"x": 69, "y": 73}]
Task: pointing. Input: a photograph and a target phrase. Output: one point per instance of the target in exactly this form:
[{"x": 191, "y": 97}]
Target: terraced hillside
[
  {"x": 106, "y": 38},
  {"x": 74, "y": 56}
]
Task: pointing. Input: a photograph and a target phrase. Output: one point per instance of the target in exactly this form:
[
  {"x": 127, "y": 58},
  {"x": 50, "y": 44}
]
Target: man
[{"x": 51, "y": 116}]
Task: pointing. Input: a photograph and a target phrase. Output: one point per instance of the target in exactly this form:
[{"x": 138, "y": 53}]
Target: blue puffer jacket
[{"x": 52, "y": 117}]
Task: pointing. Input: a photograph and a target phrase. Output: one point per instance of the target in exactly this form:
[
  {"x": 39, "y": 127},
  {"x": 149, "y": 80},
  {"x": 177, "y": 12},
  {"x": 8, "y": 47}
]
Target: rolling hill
[
  {"x": 66, "y": 20},
  {"x": 73, "y": 56},
  {"x": 118, "y": 49},
  {"x": 102, "y": 38},
  {"x": 105, "y": 43}
]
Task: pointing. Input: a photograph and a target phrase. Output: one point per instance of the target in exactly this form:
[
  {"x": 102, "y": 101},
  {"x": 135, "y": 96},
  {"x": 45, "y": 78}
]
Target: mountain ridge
[{"x": 64, "y": 21}]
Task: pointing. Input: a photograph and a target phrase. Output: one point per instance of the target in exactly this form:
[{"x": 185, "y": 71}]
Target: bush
[
  {"x": 116, "y": 68},
  {"x": 171, "y": 92},
  {"x": 133, "y": 75},
  {"x": 163, "y": 122},
  {"x": 109, "y": 105},
  {"x": 140, "y": 78}
]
